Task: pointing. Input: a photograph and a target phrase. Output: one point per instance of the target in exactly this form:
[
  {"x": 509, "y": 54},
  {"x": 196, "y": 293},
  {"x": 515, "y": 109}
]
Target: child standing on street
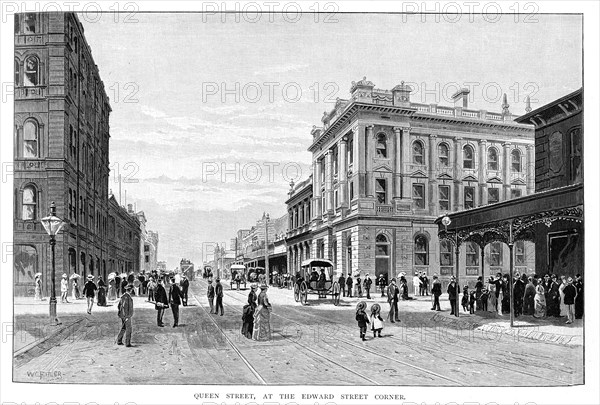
[
  {"x": 376, "y": 320},
  {"x": 362, "y": 319},
  {"x": 465, "y": 299}
]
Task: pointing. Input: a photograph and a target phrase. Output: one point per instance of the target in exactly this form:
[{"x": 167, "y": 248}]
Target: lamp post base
[{"x": 53, "y": 318}]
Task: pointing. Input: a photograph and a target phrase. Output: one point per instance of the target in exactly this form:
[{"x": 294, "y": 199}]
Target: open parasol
[
  {"x": 112, "y": 276},
  {"x": 38, "y": 274},
  {"x": 74, "y": 275}
]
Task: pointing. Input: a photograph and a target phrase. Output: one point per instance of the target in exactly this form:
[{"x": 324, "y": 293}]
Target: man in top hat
[
  {"x": 175, "y": 301},
  {"x": 185, "y": 285},
  {"x": 125, "y": 313},
  {"x": 367, "y": 284},
  {"x": 210, "y": 294},
  {"x": 219, "y": 294},
  {"x": 349, "y": 284},
  {"x": 392, "y": 294},
  {"x": 382, "y": 283},
  {"x": 89, "y": 291},
  {"x": 436, "y": 290},
  {"x": 452, "y": 297},
  {"x": 342, "y": 282}
]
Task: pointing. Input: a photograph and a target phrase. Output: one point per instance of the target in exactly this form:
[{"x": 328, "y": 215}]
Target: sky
[{"x": 211, "y": 119}]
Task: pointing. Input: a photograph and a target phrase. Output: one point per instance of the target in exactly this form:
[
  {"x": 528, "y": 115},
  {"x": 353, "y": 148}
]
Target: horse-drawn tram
[
  {"x": 316, "y": 277},
  {"x": 238, "y": 275}
]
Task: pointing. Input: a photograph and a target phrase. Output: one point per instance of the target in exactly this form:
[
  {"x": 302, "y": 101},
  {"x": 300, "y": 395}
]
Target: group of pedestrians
[
  {"x": 375, "y": 319},
  {"x": 358, "y": 287}
]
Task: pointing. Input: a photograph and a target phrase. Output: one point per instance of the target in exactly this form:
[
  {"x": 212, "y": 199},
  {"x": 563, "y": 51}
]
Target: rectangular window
[
  {"x": 350, "y": 149},
  {"x": 496, "y": 254},
  {"x": 444, "y": 197},
  {"x": 493, "y": 195},
  {"x": 472, "y": 251},
  {"x": 351, "y": 190},
  {"x": 380, "y": 191},
  {"x": 419, "y": 195},
  {"x": 469, "y": 197},
  {"x": 519, "y": 253},
  {"x": 445, "y": 253},
  {"x": 515, "y": 193}
]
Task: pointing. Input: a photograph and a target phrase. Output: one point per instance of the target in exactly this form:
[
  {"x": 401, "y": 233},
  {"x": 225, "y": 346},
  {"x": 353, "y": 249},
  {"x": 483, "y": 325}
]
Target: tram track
[
  {"x": 306, "y": 347},
  {"x": 429, "y": 350}
]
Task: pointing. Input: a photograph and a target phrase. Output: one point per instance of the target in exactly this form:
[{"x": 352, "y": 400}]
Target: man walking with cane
[{"x": 125, "y": 313}]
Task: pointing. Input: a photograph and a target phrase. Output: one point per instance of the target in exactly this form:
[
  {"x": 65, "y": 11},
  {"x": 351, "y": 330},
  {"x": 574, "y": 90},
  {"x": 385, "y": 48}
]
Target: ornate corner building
[
  {"x": 384, "y": 168},
  {"x": 61, "y": 146}
]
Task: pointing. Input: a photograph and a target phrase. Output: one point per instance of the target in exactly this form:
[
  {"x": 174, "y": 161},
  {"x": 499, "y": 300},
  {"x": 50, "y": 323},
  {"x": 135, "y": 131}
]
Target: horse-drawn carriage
[
  {"x": 254, "y": 273},
  {"x": 316, "y": 277},
  {"x": 207, "y": 272},
  {"x": 238, "y": 275}
]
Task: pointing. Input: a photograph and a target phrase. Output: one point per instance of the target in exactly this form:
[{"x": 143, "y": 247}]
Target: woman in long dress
[
  {"x": 248, "y": 316},
  {"x": 492, "y": 296},
  {"x": 262, "y": 317},
  {"x": 563, "y": 284},
  {"x": 38, "y": 288},
  {"x": 75, "y": 291},
  {"x": 540, "y": 301},
  {"x": 112, "y": 293},
  {"x": 101, "y": 293}
]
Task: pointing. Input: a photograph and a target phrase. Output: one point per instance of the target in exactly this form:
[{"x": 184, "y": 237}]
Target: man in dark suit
[
  {"x": 452, "y": 296},
  {"x": 554, "y": 302},
  {"x": 579, "y": 299},
  {"x": 161, "y": 301},
  {"x": 349, "y": 285},
  {"x": 367, "y": 284},
  {"x": 185, "y": 285},
  {"x": 125, "y": 313},
  {"x": 342, "y": 282},
  {"x": 175, "y": 301},
  {"x": 382, "y": 283},
  {"x": 219, "y": 294},
  {"x": 392, "y": 294},
  {"x": 210, "y": 294},
  {"x": 436, "y": 290}
]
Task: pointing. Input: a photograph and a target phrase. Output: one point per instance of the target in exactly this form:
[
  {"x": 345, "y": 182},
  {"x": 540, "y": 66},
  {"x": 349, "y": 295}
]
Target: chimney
[
  {"x": 130, "y": 208},
  {"x": 462, "y": 94}
]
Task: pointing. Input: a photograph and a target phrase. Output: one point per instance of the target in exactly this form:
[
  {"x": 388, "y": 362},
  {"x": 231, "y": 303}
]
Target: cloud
[
  {"x": 290, "y": 67},
  {"x": 152, "y": 112}
]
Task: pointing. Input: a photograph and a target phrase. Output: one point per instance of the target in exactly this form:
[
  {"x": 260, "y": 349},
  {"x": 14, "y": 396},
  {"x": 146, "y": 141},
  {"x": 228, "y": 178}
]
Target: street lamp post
[
  {"x": 267, "y": 272},
  {"x": 447, "y": 221},
  {"x": 52, "y": 224}
]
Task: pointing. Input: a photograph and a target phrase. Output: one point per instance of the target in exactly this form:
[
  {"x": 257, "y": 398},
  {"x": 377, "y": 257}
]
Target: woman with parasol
[
  {"x": 75, "y": 283},
  {"x": 112, "y": 292}
]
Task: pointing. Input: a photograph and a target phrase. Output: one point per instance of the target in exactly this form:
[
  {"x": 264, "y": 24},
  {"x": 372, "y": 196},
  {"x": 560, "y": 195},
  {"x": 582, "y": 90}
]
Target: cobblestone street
[{"x": 426, "y": 348}]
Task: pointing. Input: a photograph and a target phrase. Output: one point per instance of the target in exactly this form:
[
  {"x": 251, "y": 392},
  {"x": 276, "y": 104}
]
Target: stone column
[
  {"x": 329, "y": 181},
  {"x": 369, "y": 160},
  {"x": 317, "y": 188},
  {"x": 343, "y": 171},
  {"x": 530, "y": 169},
  {"x": 397, "y": 187},
  {"x": 506, "y": 171},
  {"x": 482, "y": 173},
  {"x": 433, "y": 186},
  {"x": 360, "y": 149},
  {"x": 406, "y": 189},
  {"x": 458, "y": 172}
]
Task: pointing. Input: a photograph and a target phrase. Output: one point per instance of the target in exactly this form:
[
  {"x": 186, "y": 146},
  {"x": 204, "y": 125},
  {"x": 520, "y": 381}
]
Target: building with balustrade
[
  {"x": 384, "y": 168},
  {"x": 61, "y": 149}
]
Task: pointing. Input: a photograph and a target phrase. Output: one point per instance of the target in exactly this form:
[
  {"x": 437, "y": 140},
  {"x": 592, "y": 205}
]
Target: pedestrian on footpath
[
  {"x": 125, "y": 313},
  {"x": 89, "y": 290},
  {"x": 64, "y": 289},
  {"x": 358, "y": 284},
  {"x": 38, "y": 287},
  {"x": 367, "y": 284},
  {"x": 376, "y": 320},
  {"x": 382, "y": 283},
  {"x": 210, "y": 294},
  {"x": 416, "y": 284},
  {"x": 219, "y": 295},
  {"x": 248, "y": 314},
  {"x": 262, "y": 316},
  {"x": 452, "y": 296},
  {"x": 151, "y": 288},
  {"x": 75, "y": 291},
  {"x": 436, "y": 290},
  {"x": 185, "y": 285},
  {"x": 465, "y": 299},
  {"x": 162, "y": 302},
  {"x": 554, "y": 302},
  {"x": 349, "y": 285},
  {"x": 342, "y": 282},
  {"x": 362, "y": 319},
  {"x": 112, "y": 293},
  {"x": 529, "y": 299},
  {"x": 569, "y": 299},
  {"x": 579, "y": 299},
  {"x": 175, "y": 301},
  {"x": 101, "y": 292},
  {"x": 392, "y": 294}
]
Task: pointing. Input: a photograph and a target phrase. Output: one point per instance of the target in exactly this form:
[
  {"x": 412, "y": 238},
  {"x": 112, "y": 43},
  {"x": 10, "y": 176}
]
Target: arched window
[
  {"x": 445, "y": 253},
  {"x": 381, "y": 146},
  {"x": 30, "y": 140},
  {"x": 421, "y": 251},
  {"x": 29, "y": 203},
  {"x": 575, "y": 153},
  {"x": 17, "y": 74},
  {"x": 418, "y": 157},
  {"x": 444, "y": 154},
  {"x": 31, "y": 75},
  {"x": 26, "y": 264},
  {"x": 515, "y": 157},
  {"x": 492, "y": 159},
  {"x": 382, "y": 256},
  {"x": 468, "y": 157}
]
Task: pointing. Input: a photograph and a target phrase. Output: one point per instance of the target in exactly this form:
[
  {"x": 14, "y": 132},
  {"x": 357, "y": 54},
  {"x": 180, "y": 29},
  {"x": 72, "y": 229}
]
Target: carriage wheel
[
  {"x": 296, "y": 293},
  {"x": 303, "y": 293},
  {"x": 335, "y": 293}
]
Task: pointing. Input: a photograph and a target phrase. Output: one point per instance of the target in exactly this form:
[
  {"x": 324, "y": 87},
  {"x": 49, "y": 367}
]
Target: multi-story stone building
[
  {"x": 384, "y": 168},
  {"x": 299, "y": 237},
  {"x": 61, "y": 149},
  {"x": 148, "y": 245},
  {"x": 123, "y": 238}
]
